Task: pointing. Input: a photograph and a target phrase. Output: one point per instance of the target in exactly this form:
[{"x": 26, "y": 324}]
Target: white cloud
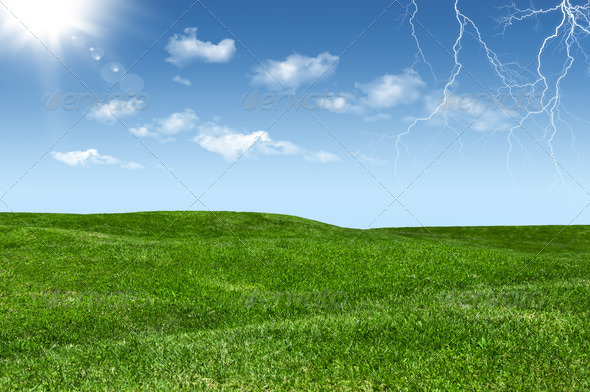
[
  {"x": 270, "y": 147},
  {"x": 295, "y": 70},
  {"x": 231, "y": 144},
  {"x": 384, "y": 92},
  {"x": 186, "y": 48},
  {"x": 131, "y": 166},
  {"x": 109, "y": 112},
  {"x": 180, "y": 80},
  {"x": 390, "y": 90},
  {"x": 75, "y": 158},
  {"x": 492, "y": 121},
  {"x": 225, "y": 142},
  {"x": 91, "y": 156},
  {"x": 322, "y": 157},
  {"x": 144, "y": 131},
  {"x": 329, "y": 101},
  {"x": 177, "y": 122},
  {"x": 467, "y": 111},
  {"x": 168, "y": 126}
]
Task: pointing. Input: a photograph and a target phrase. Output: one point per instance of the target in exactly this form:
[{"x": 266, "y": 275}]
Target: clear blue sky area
[{"x": 430, "y": 113}]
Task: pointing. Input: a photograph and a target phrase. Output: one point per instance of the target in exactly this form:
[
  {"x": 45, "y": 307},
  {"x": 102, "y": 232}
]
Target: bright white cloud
[
  {"x": 390, "y": 90},
  {"x": 295, "y": 70},
  {"x": 225, "y": 142},
  {"x": 177, "y": 122},
  {"x": 92, "y": 157},
  {"x": 75, "y": 158},
  {"x": 180, "y": 80},
  {"x": 109, "y": 112},
  {"x": 186, "y": 48},
  {"x": 168, "y": 126},
  {"x": 231, "y": 144}
]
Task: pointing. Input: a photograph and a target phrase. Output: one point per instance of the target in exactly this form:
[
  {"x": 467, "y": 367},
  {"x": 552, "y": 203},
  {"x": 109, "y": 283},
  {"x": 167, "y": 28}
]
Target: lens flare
[{"x": 51, "y": 22}]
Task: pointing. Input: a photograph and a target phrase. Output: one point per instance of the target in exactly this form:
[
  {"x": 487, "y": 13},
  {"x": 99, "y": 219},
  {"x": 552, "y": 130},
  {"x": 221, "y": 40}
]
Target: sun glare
[{"x": 49, "y": 21}]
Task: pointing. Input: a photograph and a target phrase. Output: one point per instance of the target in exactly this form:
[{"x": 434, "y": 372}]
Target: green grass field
[{"x": 245, "y": 301}]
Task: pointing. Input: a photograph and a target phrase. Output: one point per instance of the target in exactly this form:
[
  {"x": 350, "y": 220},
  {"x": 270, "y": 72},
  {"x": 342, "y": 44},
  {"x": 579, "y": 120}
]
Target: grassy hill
[{"x": 172, "y": 301}]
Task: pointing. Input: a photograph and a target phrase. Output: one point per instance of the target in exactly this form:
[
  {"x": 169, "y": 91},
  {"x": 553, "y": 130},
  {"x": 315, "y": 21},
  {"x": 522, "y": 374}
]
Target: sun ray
[{"x": 50, "y": 22}]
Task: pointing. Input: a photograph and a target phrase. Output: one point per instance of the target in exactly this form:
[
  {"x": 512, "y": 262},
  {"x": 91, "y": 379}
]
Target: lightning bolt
[
  {"x": 419, "y": 54},
  {"x": 573, "y": 24},
  {"x": 446, "y": 90}
]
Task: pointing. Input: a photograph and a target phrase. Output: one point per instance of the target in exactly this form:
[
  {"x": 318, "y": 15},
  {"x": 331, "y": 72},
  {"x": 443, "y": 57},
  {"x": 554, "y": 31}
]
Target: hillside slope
[{"x": 173, "y": 301}]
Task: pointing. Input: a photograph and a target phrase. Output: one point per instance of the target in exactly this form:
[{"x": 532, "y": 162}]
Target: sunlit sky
[{"x": 149, "y": 105}]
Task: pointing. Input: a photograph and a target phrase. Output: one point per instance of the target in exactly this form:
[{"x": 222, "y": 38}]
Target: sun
[{"x": 50, "y": 21}]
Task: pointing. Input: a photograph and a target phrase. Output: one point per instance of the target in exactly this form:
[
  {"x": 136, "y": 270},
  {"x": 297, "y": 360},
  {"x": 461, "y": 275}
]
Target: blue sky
[{"x": 196, "y": 110}]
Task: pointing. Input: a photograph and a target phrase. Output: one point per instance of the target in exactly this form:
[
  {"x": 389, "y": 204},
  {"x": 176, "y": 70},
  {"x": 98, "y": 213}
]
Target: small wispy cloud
[
  {"x": 294, "y": 71},
  {"x": 168, "y": 126},
  {"x": 322, "y": 157},
  {"x": 92, "y": 157},
  {"x": 469, "y": 111},
  {"x": 110, "y": 112},
  {"x": 181, "y": 80}
]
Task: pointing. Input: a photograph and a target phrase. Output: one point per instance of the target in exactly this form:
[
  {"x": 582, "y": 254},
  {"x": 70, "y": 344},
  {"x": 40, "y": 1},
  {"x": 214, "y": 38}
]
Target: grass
[{"x": 230, "y": 301}]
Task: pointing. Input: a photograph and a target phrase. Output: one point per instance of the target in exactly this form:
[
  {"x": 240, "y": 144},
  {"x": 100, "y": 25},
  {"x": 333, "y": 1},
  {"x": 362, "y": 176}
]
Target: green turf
[{"x": 172, "y": 301}]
